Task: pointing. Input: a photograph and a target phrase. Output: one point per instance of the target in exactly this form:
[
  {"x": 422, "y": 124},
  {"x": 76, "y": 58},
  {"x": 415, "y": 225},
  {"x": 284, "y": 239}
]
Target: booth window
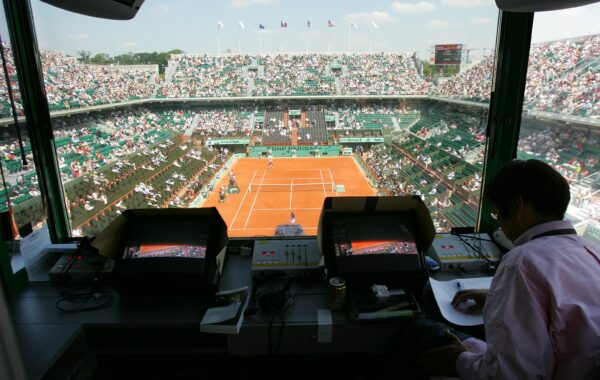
[
  {"x": 561, "y": 111},
  {"x": 20, "y": 201},
  {"x": 126, "y": 140}
]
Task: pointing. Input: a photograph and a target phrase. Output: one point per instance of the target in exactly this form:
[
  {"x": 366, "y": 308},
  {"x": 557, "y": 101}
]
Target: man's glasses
[{"x": 494, "y": 214}]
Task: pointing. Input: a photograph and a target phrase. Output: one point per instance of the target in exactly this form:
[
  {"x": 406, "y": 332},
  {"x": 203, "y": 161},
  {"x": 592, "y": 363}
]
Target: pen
[{"x": 394, "y": 307}]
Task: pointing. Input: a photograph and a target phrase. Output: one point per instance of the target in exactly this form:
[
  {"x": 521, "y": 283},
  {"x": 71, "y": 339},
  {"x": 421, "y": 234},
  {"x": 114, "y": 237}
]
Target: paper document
[
  {"x": 221, "y": 314},
  {"x": 226, "y": 315},
  {"x": 32, "y": 251},
  {"x": 444, "y": 292}
]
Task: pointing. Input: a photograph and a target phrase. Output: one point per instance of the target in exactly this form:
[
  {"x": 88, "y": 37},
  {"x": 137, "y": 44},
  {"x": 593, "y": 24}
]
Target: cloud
[
  {"x": 480, "y": 20},
  {"x": 247, "y": 3},
  {"x": 78, "y": 36},
  {"x": 127, "y": 44},
  {"x": 587, "y": 23},
  {"x": 468, "y": 3},
  {"x": 366, "y": 17},
  {"x": 419, "y": 7},
  {"x": 438, "y": 24}
]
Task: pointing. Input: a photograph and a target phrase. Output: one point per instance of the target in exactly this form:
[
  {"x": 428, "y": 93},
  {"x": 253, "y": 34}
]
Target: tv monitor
[
  {"x": 373, "y": 243},
  {"x": 171, "y": 252},
  {"x": 177, "y": 238}
]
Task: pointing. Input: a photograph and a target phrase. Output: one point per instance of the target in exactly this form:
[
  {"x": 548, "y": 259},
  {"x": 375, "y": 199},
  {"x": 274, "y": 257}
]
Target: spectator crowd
[{"x": 563, "y": 76}]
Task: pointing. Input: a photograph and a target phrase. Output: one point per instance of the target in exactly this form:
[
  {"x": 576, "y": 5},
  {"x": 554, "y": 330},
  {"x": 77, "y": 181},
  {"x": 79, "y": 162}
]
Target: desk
[{"x": 170, "y": 324}]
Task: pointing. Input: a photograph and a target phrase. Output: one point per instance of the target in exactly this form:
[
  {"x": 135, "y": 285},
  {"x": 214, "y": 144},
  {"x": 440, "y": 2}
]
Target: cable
[
  {"x": 80, "y": 300},
  {"x": 74, "y": 301},
  {"x": 472, "y": 235},
  {"x": 270, "y": 332},
  {"x": 477, "y": 250},
  {"x": 475, "y": 237}
]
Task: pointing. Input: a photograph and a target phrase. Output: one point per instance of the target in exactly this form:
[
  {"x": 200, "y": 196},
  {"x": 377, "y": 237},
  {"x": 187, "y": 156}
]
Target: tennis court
[{"x": 268, "y": 196}]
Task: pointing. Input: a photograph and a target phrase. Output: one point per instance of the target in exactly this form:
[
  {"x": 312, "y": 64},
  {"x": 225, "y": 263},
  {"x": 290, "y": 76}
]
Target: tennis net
[{"x": 291, "y": 187}]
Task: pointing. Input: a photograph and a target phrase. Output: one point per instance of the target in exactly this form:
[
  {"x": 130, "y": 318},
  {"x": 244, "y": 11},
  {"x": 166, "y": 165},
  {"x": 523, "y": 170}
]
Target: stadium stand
[
  {"x": 276, "y": 130},
  {"x": 315, "y": 131},
  {"x": 562, "y": 77}
]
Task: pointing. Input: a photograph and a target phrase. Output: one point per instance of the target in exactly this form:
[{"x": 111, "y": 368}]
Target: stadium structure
[{"x": 129, "y": 139}]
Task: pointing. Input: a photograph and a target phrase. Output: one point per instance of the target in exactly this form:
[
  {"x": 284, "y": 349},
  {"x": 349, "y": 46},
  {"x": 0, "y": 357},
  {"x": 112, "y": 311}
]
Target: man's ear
[{"x": 519, "y": 207}]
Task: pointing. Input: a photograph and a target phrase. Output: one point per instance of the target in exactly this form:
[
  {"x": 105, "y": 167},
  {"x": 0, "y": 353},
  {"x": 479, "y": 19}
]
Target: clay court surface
[{"x": 297, "y": 185}]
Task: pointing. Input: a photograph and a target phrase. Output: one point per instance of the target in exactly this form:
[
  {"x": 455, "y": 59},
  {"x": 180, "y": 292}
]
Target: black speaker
[
  {"x": 272, "y": 297},
  {"x": 5, "y": 226}
]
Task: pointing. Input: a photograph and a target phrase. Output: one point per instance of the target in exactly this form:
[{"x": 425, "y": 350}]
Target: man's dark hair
[{"x": 536, "y": 182}]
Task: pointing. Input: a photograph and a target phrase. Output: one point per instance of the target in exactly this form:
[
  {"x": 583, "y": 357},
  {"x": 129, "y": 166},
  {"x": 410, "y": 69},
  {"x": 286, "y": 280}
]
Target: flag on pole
[
  {"x": 352, "y": 24},
  {"x": 284, "y": 24},
  {"x": 241, "y": 24},
  {"x": 330, "y": 23},
  {"x": 219, "y": 25},
  {"x": 308, "y": 24},
  {"x": 374, "y": 25},
  {"x": 261, "y": 26}
]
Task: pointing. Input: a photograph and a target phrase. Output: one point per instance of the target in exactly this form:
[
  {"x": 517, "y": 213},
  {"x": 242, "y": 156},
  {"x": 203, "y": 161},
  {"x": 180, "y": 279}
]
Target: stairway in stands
[
  {"x": 338, "y": 86},
  {"x": 190, "y": 127},
  {"x": 294, "y": 133},
  {"x": 303, "y": 119}
]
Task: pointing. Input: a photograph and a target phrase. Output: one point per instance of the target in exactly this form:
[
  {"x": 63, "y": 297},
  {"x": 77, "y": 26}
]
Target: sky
[{"x": 393, "y": 26}]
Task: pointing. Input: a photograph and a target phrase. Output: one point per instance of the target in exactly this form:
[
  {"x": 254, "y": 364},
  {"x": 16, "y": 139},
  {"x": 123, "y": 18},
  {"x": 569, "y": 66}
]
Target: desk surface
[
  {"x": 42, "y": 345},
  {"x": 172, "y": 322}
]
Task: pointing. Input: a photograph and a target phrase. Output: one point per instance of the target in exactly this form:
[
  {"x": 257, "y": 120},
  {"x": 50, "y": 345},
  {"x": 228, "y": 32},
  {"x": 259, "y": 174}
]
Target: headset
[{"x": 268, "y": 293}]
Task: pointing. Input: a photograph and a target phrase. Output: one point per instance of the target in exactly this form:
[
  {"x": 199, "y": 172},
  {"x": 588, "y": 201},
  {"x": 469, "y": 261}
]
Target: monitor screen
[
  {"x": 160, "y": 238},
  {"x": 371, "y": 243},
  {"x": 166, "y": 250}
]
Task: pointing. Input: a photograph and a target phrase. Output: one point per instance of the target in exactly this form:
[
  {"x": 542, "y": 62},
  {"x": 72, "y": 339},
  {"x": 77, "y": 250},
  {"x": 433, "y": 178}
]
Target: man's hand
[
  {"x": 476, "y": 295},
  {"x": 441, "y": 361}
]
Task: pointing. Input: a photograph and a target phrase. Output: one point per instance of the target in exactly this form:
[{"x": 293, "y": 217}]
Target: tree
[
  {"x": 101, "y": 59},
  {"x": 430, "y": 70},
  {"x": 130, "y": 58},
  {"x": 84, "y": 55}
]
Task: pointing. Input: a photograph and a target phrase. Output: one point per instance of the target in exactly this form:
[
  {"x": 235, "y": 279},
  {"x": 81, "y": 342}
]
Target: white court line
[
  {"x": 332, "y": 181},
  {"x": 266, "y": 228},
  {"x": 273, "y": 178},
  {"x": 286, "y": 209},
  {"x": 283, "y": 187},
  {"x": 241, "y": 203},
  {"x": 283, "y": 170},
  {"x": 323, "y": 182},
  {"x": 255, "y": 197},
  {"x": 291, "y": 192}
]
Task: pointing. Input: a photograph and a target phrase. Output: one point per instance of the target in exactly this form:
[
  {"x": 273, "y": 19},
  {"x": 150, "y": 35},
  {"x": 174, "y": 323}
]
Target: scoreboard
[{"x": 448, "y": 54}]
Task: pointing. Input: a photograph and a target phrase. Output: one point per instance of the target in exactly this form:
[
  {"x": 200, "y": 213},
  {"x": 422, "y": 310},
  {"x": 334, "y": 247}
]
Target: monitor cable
[{"x": 478, "y": 250}]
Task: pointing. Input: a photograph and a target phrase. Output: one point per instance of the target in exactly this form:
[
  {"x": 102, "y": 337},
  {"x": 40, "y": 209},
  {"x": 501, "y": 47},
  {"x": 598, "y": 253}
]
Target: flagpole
[
  {"x": 260, "y": 40},
  {"x": 307, "y": 37},
  {"x": 218, "y": 39},
  {"x": 349, "y": 29},
  {"x": 370, "y": 37},
  {"x": 281, "y": 39},
  {"x": 239, "y": 42}
]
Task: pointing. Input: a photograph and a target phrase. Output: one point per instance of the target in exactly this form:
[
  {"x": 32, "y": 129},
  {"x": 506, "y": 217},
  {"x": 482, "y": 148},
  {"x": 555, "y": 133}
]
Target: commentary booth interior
[{"x": 303, "y": 164}]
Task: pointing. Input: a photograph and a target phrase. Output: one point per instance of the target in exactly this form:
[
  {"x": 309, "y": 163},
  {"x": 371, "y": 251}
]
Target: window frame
[{"x": 513, "y": 41}]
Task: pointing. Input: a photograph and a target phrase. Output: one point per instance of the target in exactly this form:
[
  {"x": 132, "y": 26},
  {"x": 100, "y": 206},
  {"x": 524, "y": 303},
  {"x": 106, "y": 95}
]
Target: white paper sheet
[
  {"x": 325, "y": 326},
  {"x": 444, "y": 292},
  {"x": 35, "y": 248}
]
